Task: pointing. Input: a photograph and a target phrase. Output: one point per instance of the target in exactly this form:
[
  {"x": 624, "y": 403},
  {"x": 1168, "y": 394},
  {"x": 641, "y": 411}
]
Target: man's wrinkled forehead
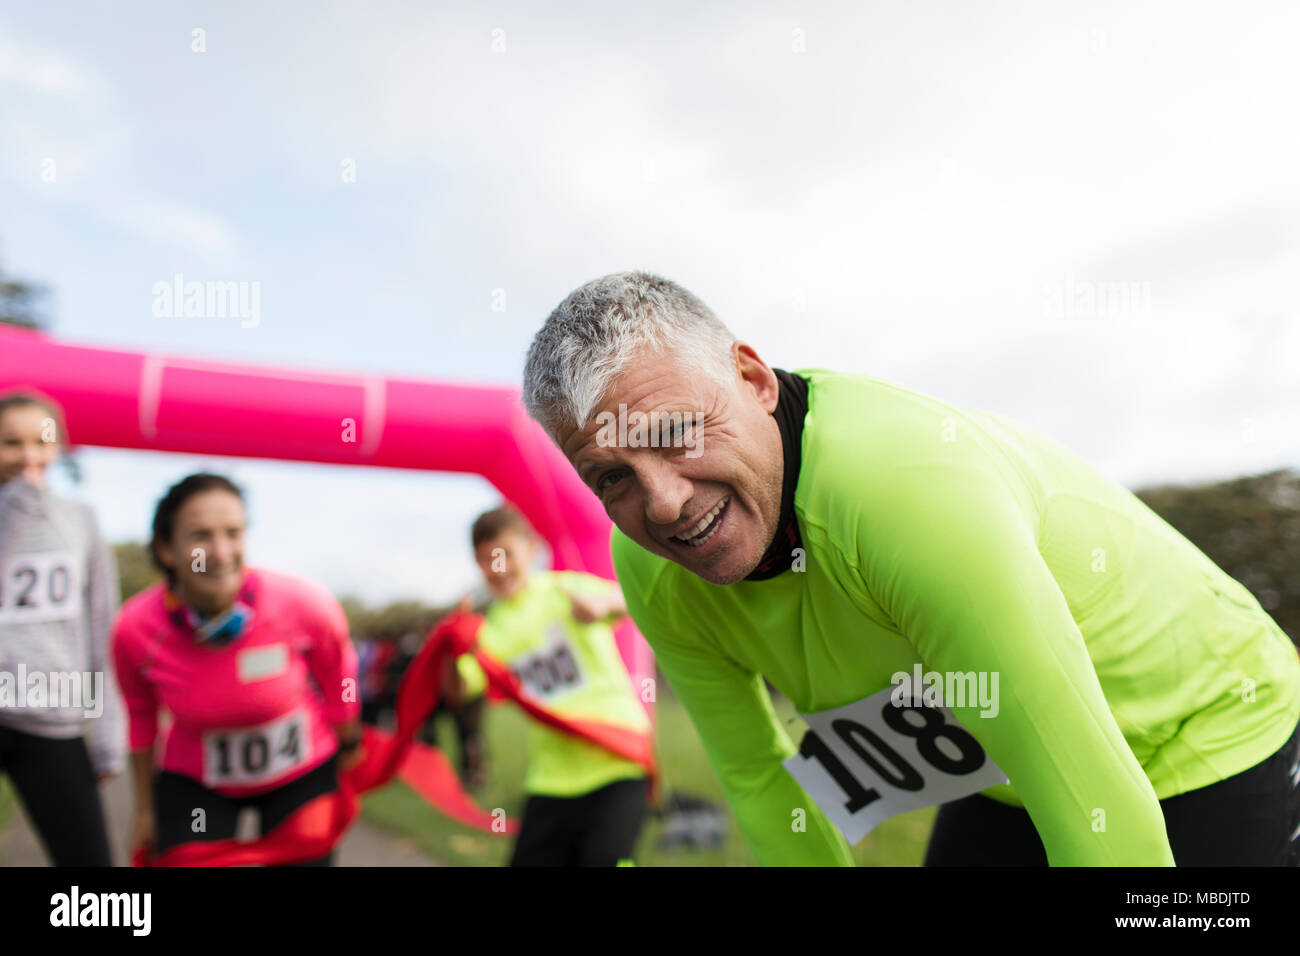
[{"x": 649, "y": 384}]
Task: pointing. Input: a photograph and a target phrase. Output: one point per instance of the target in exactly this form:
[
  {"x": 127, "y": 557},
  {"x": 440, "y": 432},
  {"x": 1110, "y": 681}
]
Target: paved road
[{"x": 365, "y": 845}]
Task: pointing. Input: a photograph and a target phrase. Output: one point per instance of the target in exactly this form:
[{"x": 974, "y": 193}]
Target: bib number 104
[
  {"x": 870, "y": 760},
  {"x": 256, "y": 755}
]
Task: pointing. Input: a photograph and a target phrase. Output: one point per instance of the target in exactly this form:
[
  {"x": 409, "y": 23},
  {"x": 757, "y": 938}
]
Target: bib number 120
[
  {"x": 870, "y": 760},
  {"x": 40, "y": 587}
]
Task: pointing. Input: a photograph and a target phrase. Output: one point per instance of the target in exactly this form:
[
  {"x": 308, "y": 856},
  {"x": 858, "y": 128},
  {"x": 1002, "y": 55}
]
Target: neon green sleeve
[
  {"x": 581, "y": 583},
  {"x": 744, "y": 741},
  {"x": 954, "y": 562}
]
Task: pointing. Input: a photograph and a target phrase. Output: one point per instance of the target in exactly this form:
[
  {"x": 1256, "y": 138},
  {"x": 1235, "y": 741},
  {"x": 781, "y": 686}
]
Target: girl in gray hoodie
[{"x": 59, "y": 592}]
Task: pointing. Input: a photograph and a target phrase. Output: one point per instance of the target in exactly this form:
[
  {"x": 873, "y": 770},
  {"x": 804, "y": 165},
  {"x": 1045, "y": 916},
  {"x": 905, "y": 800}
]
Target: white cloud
[
  {"x": 73, "y": 139},
  {"x": 41, "y": 72}
]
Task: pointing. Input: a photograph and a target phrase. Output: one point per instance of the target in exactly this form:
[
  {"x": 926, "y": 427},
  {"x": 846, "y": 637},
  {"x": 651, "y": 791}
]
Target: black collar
[{"x": 791, "y": 409}]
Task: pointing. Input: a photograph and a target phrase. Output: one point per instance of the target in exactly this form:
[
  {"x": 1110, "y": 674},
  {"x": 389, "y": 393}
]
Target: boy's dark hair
[
  {"x": 164, "y": 515},
  {"x": 492, "y": 523}
]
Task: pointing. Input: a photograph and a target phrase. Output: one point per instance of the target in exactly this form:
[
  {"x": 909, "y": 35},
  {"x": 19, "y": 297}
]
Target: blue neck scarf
[{"x": 220, "y": 629}]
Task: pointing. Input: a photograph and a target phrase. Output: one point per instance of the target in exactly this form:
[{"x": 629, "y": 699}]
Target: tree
[
  {"x": 134, "y": 568},
  {"x": 21, "y": 303},
  {"x": 1249, "y": 527},
  {"x": 393, "y": 621}
]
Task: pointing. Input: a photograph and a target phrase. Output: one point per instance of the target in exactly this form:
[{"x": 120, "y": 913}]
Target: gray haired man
[{"x": 966, "y": 613}]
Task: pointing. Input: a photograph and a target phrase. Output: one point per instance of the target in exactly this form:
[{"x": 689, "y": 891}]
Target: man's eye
[{"x": 607, "y": 480}]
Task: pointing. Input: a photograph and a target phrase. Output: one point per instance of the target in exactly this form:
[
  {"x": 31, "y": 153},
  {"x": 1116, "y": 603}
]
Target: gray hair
[{"x": 596, "y": 331}]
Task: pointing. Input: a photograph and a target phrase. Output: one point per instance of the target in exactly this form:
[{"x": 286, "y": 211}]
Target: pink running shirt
[{"x": 250, "y": 715}]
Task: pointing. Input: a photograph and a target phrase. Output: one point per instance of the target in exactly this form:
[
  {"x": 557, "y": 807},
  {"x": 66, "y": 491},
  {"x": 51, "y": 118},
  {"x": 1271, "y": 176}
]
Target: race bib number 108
[{"x": 870, "y": 760}]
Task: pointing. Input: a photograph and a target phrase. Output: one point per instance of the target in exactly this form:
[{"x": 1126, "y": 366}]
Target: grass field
[
  {"x": 6, "y": 802},
  {"x": 898, "y": 842}
]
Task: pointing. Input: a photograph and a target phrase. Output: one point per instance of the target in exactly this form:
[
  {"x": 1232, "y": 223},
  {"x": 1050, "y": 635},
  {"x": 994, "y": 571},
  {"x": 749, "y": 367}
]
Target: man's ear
[{"x": 755, "y": 374}]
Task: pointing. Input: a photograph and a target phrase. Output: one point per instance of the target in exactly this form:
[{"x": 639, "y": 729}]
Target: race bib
[
  {"x": 40, "y": 587},
  {"x": 551, "y": 671},
  {"x": 251, "y": 756},
  {"x": 870, "y": 760}
]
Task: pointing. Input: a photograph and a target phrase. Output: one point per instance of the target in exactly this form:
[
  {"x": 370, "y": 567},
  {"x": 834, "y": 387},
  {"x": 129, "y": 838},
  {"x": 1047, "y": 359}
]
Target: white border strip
[{"x": 151, "y": 373}]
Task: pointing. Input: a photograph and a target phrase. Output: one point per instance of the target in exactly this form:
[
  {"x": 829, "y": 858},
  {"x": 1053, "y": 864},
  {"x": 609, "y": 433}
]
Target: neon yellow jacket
[
  {"x": 574, "y": 669},
  {"x": 1130, "y": 667}
]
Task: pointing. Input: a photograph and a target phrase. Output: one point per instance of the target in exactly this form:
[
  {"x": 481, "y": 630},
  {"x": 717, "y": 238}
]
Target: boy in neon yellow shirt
[{"x": 553, "y": 629}]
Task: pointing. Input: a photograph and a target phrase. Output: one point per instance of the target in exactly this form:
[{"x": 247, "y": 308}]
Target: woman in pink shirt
[{"x": 254, "y": 670}]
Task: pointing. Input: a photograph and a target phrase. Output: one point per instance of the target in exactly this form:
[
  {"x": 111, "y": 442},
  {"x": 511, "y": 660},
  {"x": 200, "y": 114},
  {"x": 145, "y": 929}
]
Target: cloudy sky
[{"x": 1083, "y": 215}]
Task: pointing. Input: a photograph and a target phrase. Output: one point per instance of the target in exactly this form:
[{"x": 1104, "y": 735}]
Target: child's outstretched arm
[{"x": 605, "y": 605}]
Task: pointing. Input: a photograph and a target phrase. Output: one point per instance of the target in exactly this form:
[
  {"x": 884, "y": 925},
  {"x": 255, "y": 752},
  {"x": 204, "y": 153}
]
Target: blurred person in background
[
  {"x": 58, "y": 595},
  {"x": 466, "y": 706},
  {"x": 254, "y": 667},
  {"x": 374, "y": 655},
  {"x": 585, "y": 804}
]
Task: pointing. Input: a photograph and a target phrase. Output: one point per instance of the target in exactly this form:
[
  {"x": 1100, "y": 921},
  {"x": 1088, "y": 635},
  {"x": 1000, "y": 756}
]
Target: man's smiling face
[{"x": 711, "y": 508}]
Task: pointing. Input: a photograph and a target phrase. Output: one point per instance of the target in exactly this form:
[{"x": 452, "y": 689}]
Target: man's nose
[{"x": 666, "y": 492}]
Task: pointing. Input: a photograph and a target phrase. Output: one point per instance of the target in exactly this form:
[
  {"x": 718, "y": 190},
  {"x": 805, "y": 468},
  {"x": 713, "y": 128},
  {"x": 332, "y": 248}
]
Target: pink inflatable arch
[{"x": 136, "y": 400}]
